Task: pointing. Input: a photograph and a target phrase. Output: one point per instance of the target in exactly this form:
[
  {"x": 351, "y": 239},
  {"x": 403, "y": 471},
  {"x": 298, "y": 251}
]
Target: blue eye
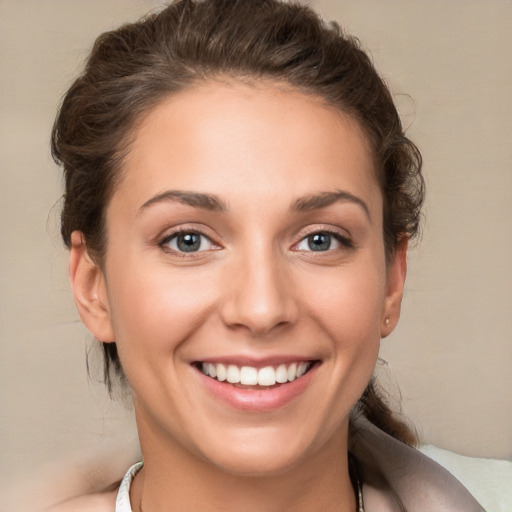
[
  {"x": 322, "y": 241},
  {"x": 187, "y": 241}
]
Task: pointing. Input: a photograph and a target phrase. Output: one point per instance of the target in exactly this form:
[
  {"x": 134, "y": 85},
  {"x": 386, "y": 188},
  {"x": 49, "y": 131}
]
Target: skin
[
  {"x": 97, "y": 502},
  {"x": 255, "y": 289}
]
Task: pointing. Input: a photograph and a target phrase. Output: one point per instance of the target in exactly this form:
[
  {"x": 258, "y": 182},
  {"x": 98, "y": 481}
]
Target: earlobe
[
  {"x": 395, "y": 280},
  {"x": 89, "y": 289}
]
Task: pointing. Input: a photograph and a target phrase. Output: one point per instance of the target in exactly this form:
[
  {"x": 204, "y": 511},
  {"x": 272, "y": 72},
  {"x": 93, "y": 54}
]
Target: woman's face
[{"x": 245, "y": 241}]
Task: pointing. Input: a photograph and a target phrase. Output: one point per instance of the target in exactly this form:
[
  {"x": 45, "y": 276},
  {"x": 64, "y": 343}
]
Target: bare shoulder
[{"x": 98, "y": 502}]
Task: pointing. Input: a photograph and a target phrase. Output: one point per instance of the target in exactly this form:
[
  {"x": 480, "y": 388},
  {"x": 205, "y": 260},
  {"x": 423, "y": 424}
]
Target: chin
[
  {"x": 259, "y": 465},
  {"x": 265, "y": 452}
]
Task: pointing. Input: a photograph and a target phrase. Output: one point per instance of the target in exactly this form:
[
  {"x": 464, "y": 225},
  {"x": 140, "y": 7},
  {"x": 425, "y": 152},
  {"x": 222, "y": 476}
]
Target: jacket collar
[{"x": 398, "y": 478}]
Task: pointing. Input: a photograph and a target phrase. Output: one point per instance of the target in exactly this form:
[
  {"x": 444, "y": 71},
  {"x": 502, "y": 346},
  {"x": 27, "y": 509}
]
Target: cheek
[
  {"x": 355, "y": 329},
  {"x": 348, "y": 307},
  {"x": 348, "y": 303},
  {"x": 154, "y": 311}
]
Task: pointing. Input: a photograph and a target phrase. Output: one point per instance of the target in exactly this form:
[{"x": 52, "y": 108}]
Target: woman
[{"x": 239, "y": 200}]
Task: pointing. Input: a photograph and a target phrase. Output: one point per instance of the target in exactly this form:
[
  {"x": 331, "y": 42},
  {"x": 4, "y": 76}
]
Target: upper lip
[{"x": 256, "y": 362}]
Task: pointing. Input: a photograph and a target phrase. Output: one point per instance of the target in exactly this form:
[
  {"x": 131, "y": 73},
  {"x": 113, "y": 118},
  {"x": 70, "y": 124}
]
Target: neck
[{"x": 174, "y": 478}]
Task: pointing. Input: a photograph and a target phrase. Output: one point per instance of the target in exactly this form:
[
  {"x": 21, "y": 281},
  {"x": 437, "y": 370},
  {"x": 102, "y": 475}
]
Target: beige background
[{"x": 449, "y": 66}]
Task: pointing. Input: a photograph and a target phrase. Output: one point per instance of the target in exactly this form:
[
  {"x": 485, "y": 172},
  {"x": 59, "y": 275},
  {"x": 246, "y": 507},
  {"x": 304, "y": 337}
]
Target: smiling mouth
[{"x": 257, "y": 378}]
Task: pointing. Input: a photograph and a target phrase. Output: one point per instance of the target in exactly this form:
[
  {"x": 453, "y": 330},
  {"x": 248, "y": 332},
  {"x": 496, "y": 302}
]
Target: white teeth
[
  {"x": 292, "y": 371},
  {"x": 281, "y": 374},
  {"x": 233, "y": 374},
  {"x": 221, "y": 372},
  {"x": 250, "y": 376},
  {"x": 301, "y": 369},
  {"x": 267, "y": 376}
]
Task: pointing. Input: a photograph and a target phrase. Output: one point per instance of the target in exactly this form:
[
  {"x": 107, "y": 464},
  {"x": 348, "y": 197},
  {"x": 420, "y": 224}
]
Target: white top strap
[{"x": 123, "y": 495}]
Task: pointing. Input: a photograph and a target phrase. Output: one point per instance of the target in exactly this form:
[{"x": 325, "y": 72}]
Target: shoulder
[
  {"x": 98, "y": 502},
  {"x": 487, "y": 479},
  {"x": 398, "y": 477}
]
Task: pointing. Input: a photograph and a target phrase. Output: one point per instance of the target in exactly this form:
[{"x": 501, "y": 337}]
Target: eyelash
[
  {"x": 164, "y": 243},
  {"x": 343, "y": 240}
]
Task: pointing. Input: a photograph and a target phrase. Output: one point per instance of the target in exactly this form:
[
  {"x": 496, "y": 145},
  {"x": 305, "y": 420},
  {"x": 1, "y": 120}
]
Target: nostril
[
  {"x": 258, "y": 293},
  {"x": 259, "y": 317}
]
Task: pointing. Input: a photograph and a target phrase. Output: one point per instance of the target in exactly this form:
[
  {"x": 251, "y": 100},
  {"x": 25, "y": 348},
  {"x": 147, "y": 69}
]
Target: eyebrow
[
  {"x": 208, "y": 202},
  {"x": 325, "y": 199},
  {"x": 213, "y": 203}
]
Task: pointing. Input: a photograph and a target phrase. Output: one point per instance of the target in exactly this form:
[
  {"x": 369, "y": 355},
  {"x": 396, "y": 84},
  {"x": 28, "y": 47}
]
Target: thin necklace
[
  {"x": 360, "y": 502},
  {"x": 355, "y": 481},
  {"x": 359, "y": 498}
]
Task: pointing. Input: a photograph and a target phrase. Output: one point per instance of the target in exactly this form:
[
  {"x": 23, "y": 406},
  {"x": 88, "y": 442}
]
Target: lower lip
[{"x": 258, "y": 400}]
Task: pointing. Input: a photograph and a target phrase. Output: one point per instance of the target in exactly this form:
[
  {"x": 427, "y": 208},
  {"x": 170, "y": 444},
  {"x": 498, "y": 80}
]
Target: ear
[
  {"x": 395, "y": 280},
  {"x": 90, "y": 290}
]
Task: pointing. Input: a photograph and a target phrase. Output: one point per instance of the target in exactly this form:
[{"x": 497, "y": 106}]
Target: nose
[{"x": 258, "y": 294}]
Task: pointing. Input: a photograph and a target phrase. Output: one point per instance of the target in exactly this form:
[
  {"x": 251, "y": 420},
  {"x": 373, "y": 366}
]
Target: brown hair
[{"x": 131, "y": 69}]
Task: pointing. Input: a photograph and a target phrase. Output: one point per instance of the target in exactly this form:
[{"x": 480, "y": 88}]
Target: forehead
[{"x": 256, "y": 141}]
